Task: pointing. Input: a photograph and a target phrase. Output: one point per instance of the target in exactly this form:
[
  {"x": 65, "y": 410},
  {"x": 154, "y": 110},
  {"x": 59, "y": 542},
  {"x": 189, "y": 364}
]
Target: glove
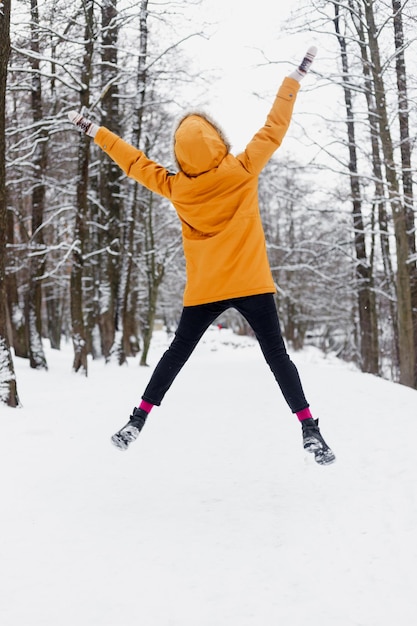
[
  {"x": 83, "y": 124},
  {"x": 305, "y": 64}
]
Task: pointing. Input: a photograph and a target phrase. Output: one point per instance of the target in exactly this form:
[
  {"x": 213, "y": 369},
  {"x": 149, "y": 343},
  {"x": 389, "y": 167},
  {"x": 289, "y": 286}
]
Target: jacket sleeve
[
  {"x": 263, "y": 145},
  {"x": 135, "y": 163}
]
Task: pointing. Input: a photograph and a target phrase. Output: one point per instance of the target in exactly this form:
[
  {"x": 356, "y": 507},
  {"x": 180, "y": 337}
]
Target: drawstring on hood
[{"x": 199, "y": 145}]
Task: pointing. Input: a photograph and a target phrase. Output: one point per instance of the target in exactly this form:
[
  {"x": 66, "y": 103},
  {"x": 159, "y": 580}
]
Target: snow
[{"x": 215, "y": 516}]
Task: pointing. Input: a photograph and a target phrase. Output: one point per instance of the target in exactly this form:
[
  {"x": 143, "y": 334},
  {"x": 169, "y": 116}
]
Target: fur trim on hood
[{"x": 199, "y": 144}]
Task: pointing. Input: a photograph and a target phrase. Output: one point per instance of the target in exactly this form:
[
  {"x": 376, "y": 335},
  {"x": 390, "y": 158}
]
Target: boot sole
[
  {"x": 120, "y": 443},
  {"x": 322, "y": 456},
  {"x": 124, "y": 437}
]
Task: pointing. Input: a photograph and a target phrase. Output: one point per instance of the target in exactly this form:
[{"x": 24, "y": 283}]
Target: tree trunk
[
  {"x": 154, "y": 276},
  {"x": 36, "y": 245},
  {"x": 380, "y": 202},
  {"x": 54, "y": 301},
  {"x": 110, "y": 197},
  {"x": 76, "y": 284},
  {"x": 366, "y": 296},
  {"x": 124, "y": 321},
  {"x": 404, "y": 307},
  {"x": 8, "y": 386},
  {"x": 406, "y": 167},
  {"x": 16, "y": 311}
]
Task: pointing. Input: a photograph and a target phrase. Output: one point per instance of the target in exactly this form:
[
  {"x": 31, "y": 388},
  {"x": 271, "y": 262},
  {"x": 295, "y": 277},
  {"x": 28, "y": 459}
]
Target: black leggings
[{"x": 261, "y": 314}]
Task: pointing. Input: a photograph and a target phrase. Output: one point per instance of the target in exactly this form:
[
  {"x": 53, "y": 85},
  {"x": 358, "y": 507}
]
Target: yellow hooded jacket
[{"x": 216, "y": 198}]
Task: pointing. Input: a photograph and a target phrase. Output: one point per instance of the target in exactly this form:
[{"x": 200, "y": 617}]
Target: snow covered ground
[{"x": 215, "y": 516}]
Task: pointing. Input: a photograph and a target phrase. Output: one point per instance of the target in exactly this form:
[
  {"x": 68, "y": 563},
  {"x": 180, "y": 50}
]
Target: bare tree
[
  {"x": 380, "y": 200},
  {"x": 126, "y": 314},
  {"x": 383, "y": 182},
  {"x": 8, "y": 386},
  {"x": 406, "y": 165},
  {"x": 366, "y": 297},
  {"x": 404, "y": 305},
  {"x": 111, "y": 200},
  {"x": 79, "y": 337},
  {"x": 36, "y": 243},
  {"x": 310, "y": 251}
]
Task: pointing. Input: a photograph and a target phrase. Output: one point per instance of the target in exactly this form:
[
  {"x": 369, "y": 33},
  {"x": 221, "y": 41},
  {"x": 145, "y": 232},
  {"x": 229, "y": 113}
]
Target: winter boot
[
  {"x": 131, "y": 430},
  {"x": 314, "y": 442}
]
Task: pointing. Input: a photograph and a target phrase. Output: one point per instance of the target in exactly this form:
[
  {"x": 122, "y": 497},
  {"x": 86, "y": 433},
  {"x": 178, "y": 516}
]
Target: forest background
[{"x": 89, "y": 256}]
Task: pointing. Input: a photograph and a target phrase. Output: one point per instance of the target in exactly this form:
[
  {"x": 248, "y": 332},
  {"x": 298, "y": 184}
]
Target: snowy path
[{"x": 215, "y": 516}]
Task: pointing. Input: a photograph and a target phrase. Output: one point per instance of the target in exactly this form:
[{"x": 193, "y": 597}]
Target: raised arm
[
  {"x": 263, "y": 145},
  {"x": 132, "y": 161}
]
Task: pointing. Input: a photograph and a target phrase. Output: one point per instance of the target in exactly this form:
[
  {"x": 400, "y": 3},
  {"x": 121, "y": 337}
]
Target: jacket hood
[{"x": 199, "y": 145}]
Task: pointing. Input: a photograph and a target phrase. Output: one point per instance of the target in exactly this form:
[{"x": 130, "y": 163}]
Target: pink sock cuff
[
  {"x": 146, "y": 406},
  {"x": 304, "y": 414}
]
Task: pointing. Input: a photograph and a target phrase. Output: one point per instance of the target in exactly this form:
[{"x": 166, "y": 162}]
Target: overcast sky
[{"x": 240, "y": 34}]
